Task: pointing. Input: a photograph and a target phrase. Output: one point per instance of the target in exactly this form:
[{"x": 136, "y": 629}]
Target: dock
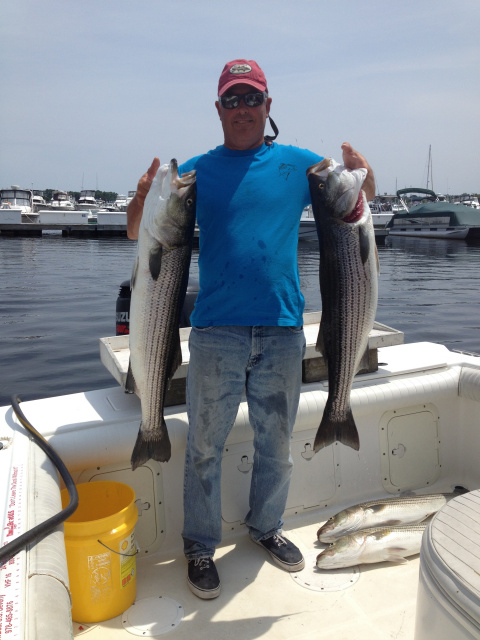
[{"x": 37, "y": 229}]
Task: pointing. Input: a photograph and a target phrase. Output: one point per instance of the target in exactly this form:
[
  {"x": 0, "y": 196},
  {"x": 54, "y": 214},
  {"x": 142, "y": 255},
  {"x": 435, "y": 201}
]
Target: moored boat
[
  {"x": 87, "y": 201},
  {"x": 38, "y": 200},
  {"x": 433, "y": 218},
  {"x": 417, "y": 412},
  {"x": 121, "y": 202},
  {"x": 16, "y": 206},
  {"x": 61, "y": 201}
]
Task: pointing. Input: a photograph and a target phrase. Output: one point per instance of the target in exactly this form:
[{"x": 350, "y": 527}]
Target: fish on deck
[
  {"x": 377, "y": 544},
  {"x": 400, "y": 510}
]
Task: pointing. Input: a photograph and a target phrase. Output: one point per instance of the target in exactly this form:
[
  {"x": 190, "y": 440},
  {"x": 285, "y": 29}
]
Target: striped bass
[
  {"x": 348, "y": 286},
  {"x": 383, "y": 512},
  {"x": 159, "y": 282},
  {"x": 378, "y": 544}
]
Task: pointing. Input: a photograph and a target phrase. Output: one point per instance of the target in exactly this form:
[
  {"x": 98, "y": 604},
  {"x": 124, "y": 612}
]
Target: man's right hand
[{"x": 135, "y": 206}]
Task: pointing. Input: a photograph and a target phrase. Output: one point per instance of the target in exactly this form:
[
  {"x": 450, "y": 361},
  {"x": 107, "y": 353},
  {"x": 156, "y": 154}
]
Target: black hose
[{"x": 40, "y": 531}]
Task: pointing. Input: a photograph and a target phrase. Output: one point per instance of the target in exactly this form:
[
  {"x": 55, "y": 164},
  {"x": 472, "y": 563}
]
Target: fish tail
[
  {"x": 155, "y": 445},
  {"x": 344, "y": 431}
]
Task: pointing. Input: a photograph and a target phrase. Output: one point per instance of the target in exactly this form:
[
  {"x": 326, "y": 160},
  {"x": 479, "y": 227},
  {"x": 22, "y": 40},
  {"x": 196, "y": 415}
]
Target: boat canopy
[{"x": 427, "y": 192}]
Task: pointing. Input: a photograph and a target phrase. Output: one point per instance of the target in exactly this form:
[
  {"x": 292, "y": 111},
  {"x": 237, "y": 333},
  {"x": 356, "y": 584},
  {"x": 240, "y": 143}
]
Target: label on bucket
[
  {"x": 100, "y": 571},
  {"x": 127, "y": 559}
]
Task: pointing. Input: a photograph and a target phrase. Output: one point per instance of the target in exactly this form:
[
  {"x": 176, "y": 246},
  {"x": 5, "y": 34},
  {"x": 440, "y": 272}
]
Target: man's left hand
[{"x": 354, "y": 160}]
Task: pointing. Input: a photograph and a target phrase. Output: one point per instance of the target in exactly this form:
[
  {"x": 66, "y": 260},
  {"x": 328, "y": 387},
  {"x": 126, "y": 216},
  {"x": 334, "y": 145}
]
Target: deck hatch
[{"x": 409, "y": 447}]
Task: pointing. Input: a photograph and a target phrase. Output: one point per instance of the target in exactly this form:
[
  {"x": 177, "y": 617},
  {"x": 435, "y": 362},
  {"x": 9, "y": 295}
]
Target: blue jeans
[{"x": 266, "y": 362}]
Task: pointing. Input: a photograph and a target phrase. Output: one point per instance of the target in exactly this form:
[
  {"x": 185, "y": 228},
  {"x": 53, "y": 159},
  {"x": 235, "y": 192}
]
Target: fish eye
[{"x": 189, "y": 201}]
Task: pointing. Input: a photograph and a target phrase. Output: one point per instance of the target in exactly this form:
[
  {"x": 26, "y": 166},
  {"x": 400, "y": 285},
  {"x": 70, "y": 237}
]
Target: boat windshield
[{"x": 16, "y": 197}]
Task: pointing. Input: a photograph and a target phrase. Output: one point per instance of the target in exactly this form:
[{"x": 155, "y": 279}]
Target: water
[{"x": 58, "y": 296}]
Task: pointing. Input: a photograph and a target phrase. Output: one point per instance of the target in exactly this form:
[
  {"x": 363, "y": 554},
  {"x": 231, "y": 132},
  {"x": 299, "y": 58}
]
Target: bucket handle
[{"x": 125, "y": 555}]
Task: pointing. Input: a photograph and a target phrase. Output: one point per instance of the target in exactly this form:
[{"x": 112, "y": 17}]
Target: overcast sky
[{"x": 92, "y": 90}]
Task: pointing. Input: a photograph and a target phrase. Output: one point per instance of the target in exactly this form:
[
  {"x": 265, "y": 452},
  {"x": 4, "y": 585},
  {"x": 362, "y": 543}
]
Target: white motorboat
[
  {"x": 382, "y": 209},
  {"x": 61, "y": 201},
  {"x": 38, "y": 200},
  {"x": 16, "y": 206},
  {"x": 469, "y": 201},
  {"x": 418, "y": 415},
  {"x": 121, "y": 202},
  {"x": 87, "y": 201}
]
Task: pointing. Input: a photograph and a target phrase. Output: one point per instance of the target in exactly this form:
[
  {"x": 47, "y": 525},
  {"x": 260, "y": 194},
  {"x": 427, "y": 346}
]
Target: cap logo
[{"x": 240, "y": 68}]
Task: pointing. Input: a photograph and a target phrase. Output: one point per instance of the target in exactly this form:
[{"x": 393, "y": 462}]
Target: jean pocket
[
  {"x": 203, "y": 329},
  {"x": 296, "y": 329}
]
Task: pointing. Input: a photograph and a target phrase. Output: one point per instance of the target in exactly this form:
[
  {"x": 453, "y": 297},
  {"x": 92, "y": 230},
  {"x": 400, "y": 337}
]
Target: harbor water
[{"x": 58, "y": 297}]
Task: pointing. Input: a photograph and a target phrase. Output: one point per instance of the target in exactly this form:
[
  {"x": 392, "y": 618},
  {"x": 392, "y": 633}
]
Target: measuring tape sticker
[{"x": 12, "y": 573}]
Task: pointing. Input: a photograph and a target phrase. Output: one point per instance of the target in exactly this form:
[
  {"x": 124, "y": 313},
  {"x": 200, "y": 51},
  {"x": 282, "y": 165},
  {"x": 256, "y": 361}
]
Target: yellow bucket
[{"x": 101, "y": 550}]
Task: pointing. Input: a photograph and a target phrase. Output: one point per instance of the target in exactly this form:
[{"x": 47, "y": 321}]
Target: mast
[{"x": 429, "y": 168}]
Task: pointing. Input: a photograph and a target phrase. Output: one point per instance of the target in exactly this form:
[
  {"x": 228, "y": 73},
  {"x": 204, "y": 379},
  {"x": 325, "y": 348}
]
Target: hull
[{"x": 421, "y": 396}]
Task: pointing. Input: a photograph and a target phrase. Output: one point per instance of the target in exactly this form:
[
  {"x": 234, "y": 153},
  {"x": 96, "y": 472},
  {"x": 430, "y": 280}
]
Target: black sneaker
[
  {"x": 203, "y": 578},
  {"x": 283, "y": 552}
]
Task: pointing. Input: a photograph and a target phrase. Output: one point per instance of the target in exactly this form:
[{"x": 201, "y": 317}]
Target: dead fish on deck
[
  {"x": 378, "y": 544},
  {"x": 383, "y": 512},
  {"x": 159, "y": 283},
  {"x": 349, "y": 289}
]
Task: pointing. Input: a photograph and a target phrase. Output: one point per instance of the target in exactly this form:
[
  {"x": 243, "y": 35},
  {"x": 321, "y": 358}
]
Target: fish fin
[
  {"x": 155, "y": 261},
  {"x": 364, "y": 241},
  {"x": 154, "y": 445},
  {"x": 130, "y": 380},
  {"x": 344, "y": 431},
  {"x": 393, "y": 557}
]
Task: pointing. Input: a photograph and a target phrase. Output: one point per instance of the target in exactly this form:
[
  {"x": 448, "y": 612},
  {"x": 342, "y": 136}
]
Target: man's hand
[
  {"x": 135, "y": 206},
  {"x": 354, "y": 160}
]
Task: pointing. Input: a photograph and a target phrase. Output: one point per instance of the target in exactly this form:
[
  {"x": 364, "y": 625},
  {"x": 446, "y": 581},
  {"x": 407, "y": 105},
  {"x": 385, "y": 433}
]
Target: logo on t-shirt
[{"x": 286, "y": 169}]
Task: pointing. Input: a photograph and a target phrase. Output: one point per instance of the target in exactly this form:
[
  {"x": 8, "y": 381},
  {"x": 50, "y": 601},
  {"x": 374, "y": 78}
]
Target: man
[{"x": 247, "y": 332}]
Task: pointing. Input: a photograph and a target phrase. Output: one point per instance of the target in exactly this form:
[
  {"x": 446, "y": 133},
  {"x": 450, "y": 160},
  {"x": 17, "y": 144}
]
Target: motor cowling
[{"x": 122, "y": 315}]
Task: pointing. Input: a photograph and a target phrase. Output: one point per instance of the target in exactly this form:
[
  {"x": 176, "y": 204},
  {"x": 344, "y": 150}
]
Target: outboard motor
[
  {"x": 123, "y": 309},
  {"x": 123, "y": 306}
]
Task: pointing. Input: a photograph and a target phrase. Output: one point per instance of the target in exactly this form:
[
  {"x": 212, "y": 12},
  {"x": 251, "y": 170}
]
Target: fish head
[
  {"x": 341, "y": 524},
  {"x": 344, "y": 552},
  {"x": 169, "y": 209},
  {"x": 336, "y": 190}
]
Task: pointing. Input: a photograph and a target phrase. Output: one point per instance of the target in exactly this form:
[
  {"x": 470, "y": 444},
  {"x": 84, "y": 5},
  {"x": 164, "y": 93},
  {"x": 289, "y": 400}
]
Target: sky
[{"x": 92, "y": 90}]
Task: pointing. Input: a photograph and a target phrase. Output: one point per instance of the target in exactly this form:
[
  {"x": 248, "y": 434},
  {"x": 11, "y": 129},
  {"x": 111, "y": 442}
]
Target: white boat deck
[{"x": 422, "y": 396}]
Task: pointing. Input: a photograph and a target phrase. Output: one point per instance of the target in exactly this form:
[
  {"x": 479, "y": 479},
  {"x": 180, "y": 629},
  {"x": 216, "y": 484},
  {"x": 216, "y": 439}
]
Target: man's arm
[
  {"x": 135, "y": 206},
  {"x": 354, "y": 160}
]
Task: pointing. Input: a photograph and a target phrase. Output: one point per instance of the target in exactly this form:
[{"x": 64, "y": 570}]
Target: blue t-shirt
[{"x": 249, "y": 205}]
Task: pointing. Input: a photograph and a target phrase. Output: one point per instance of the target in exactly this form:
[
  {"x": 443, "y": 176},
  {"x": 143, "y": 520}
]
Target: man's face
[{"x": 243, "y": 127}]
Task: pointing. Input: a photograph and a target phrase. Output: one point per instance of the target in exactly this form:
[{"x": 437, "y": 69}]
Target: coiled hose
[{"x": 40, "y": 531}]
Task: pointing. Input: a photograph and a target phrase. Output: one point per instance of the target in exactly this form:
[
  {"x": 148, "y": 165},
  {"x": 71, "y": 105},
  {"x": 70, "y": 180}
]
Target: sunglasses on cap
[{"x": 250, "y": 99}]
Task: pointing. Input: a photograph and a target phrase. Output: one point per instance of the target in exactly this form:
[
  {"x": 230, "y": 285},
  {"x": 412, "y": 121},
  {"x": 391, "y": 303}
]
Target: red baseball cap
[{"x": 242, "y": 71}]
